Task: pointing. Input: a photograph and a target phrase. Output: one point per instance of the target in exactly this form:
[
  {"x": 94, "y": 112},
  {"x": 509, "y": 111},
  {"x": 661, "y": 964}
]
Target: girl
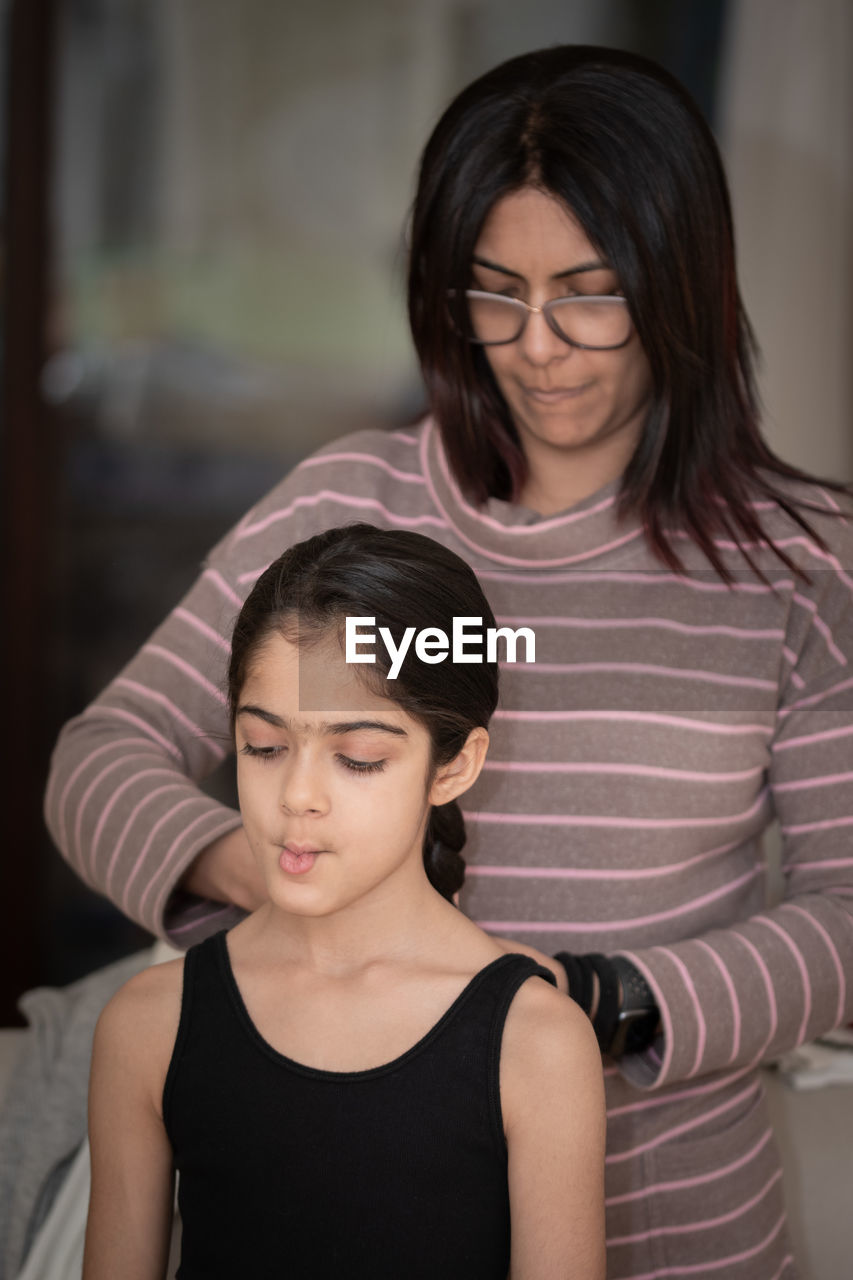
[{"x": 336, "y": 1086}]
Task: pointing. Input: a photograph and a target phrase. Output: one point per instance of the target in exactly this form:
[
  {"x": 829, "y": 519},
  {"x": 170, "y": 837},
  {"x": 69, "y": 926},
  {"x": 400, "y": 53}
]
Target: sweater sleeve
[
  {"x": 124, "y": 803},
  {"x": 737, "y": 995}
]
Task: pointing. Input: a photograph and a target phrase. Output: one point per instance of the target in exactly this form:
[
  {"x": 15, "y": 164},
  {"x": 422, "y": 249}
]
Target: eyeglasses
[{"x": 596, "y": 323}]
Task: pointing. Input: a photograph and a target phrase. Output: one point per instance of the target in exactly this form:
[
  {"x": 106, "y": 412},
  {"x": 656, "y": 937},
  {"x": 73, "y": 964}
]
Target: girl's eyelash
[
  {"x": 261, "y": 753},
  {"x": 362, "y": 766},
  {"x": 267, "y": 754}
]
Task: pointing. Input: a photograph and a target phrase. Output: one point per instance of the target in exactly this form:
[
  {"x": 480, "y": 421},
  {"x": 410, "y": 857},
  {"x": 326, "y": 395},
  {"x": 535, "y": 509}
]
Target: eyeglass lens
[{"x": 588, "y": 321}]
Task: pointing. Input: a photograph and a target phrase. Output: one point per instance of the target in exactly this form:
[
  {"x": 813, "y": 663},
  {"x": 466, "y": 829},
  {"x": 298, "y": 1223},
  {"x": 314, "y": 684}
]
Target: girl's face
[
  {"x": 334, "y": 781},
  {"x": 579, "y": 414}
]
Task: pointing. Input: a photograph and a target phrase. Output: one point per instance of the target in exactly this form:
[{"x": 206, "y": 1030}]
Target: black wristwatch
[{"x": 638, "y": 1017}]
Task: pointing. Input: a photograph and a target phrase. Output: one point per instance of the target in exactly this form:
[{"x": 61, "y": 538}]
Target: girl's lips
[{"x": 296, "y": 861}]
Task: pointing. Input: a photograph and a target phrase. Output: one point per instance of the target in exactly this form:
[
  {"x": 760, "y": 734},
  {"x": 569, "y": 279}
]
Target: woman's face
[{"x": 579, "y": 413}]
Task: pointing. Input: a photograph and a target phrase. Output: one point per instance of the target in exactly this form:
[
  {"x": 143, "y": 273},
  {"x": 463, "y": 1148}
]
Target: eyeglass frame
[{"x": 545, "y": 311}]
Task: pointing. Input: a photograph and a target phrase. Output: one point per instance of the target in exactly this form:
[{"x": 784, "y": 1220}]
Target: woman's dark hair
[
  {"x": 620, "y": 143},
  {"x": 401, "y": 580}
]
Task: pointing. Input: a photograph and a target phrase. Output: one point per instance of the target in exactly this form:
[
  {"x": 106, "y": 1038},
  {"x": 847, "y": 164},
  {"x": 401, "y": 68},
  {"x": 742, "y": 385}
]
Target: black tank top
[{"x": 396, "y": 1172}]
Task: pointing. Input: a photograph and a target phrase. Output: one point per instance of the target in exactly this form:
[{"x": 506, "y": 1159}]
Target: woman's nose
[
  {"x": 302, "y": 790},
  {"x": 539, "y": 343}
]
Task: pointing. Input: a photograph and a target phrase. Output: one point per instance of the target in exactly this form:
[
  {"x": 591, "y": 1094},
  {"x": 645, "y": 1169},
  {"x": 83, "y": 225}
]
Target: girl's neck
[{"x": 392, "y": 924}]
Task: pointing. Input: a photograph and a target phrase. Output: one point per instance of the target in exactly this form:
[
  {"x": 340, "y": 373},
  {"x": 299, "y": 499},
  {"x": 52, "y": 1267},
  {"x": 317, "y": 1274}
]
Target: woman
[{"x": 600, "y": 466}]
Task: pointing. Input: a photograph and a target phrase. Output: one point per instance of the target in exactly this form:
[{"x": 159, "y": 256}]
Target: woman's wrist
[
  {"x": 226, "y": 871},
  {"x": 615, "y": 997}
]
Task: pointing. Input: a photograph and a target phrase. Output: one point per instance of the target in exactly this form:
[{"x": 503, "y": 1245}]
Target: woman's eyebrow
[{"x": 594, "y": 265}]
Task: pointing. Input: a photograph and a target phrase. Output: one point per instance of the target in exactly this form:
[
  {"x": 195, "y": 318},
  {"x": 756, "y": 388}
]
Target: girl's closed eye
[
  {"x": 362, "y": 766},
  {"x": 265, "y": 754}
]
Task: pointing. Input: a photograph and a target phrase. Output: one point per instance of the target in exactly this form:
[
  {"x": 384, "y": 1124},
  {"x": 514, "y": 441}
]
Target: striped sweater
[{"x": 633, "y": 769}]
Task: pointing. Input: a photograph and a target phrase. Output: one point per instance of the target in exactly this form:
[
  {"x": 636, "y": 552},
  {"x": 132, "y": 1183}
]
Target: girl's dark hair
[
  {"x": 622, "y": 145},
  {"x": 401, "y": 580}
]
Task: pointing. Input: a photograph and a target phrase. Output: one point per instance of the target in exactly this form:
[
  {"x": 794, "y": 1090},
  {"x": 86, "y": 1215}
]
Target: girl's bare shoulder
[
  {"x": 548, "y": 1041},
  {"x": 138, "y": 1025}
]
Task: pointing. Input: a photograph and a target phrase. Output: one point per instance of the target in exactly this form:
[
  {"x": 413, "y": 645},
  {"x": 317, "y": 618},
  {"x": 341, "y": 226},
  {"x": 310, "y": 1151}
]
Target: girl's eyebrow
[
  {"x": 594, "y": 265},
  {"x": 337, "y": 728}
]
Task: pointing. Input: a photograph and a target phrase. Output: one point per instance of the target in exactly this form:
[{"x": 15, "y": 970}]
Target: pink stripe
[
  {"x": 821, "y": 626},
  {"x": 768, "y": 987},
  {"x": 541, "y": 526},
  {"x": 825, "y": 864},
  {"x": 203, "y": 629},
  {"x": 87, "y": 794},
  {"x": 154, "y": 795},
  {"x": 809, "y": 739},
  {"x": 152, "y": 835},
  {"x": 796, "y": 679},
  {"x": 800, "y": 963},
  {"x": 682, "y": 1184},
  {"x": 730, "y": 988},
  {"x": 346, "y": 500},
  {"x": 216, "y": 577},
  {"x": 830, "y": 502},
  {"x": 816, "y": 698},
  {"x": 662, "y": 578},
  {"x": 633, "y": 824},
  {"x": 833, "y": 952},
  {"x": 690, "y": 988},
  {"x": 602, "y": 926},
  {"x": 632, "y": 717},
  {"x": 113, "y": 800},
  {"x": 623, "y": 770},
  {"x": 177, "y": 930},
  {"x": 160, "y": 700},
  {"x": 664, "y": 1099},
  {"x": 186, "y": 669},
  {"x": 829, "y": 824},
  {"x": 599, "y": 873},
  {"x": 84, "y": 764},
  {"x": 631, "y": 624},
  {"x": 798, "y": 540},
  {"x": 151, "y": 733},
  {"x": 373, "y": 460},
  {"x": 803, "y": 784},
  {"x": 702, "y": 1268},
  {"x": 176, "y": 847},
  {"x": 686, "y": 1127},
  {"x": 704, "y": 1225},
  {"x": 641, "y": 669}
]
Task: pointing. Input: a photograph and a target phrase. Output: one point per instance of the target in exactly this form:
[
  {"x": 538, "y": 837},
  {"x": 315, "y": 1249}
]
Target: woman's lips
[{"x": 554, "y": 395}]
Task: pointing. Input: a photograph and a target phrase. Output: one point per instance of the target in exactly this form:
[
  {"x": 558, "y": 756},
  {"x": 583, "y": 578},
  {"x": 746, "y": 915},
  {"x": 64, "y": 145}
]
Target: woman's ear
[{"x": 462, "y": 771}]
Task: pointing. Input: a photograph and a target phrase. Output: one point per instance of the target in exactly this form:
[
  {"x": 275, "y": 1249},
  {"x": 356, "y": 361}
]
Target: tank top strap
[
  {"x": 200, "y": 1006},
  {"x": 503, "y": 980}
]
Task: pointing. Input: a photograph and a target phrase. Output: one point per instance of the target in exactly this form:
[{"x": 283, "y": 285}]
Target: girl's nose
[{"x": 302, "y": 790}]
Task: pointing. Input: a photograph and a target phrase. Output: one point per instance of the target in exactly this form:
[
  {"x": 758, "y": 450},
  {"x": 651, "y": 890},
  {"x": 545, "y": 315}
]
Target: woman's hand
[
  {"x": 547, "y": 962},
  {"x": 226, "y": 871}
]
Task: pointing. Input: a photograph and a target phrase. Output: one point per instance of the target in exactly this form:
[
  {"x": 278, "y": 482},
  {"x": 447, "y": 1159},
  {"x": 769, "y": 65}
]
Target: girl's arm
[
  {"x": 552, "y": 1098},
  {"x": 130, "y": 1208}
]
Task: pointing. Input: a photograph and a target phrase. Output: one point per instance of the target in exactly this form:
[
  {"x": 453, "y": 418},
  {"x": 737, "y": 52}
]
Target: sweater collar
[{"x": 589, "y": 532}]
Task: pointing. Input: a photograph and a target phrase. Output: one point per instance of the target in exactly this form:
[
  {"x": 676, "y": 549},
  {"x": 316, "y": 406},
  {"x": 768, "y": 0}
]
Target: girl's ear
[{"x": 462, "y": 771}]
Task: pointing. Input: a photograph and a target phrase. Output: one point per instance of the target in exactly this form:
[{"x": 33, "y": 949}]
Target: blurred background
[{"x": 202, "y": 260}]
